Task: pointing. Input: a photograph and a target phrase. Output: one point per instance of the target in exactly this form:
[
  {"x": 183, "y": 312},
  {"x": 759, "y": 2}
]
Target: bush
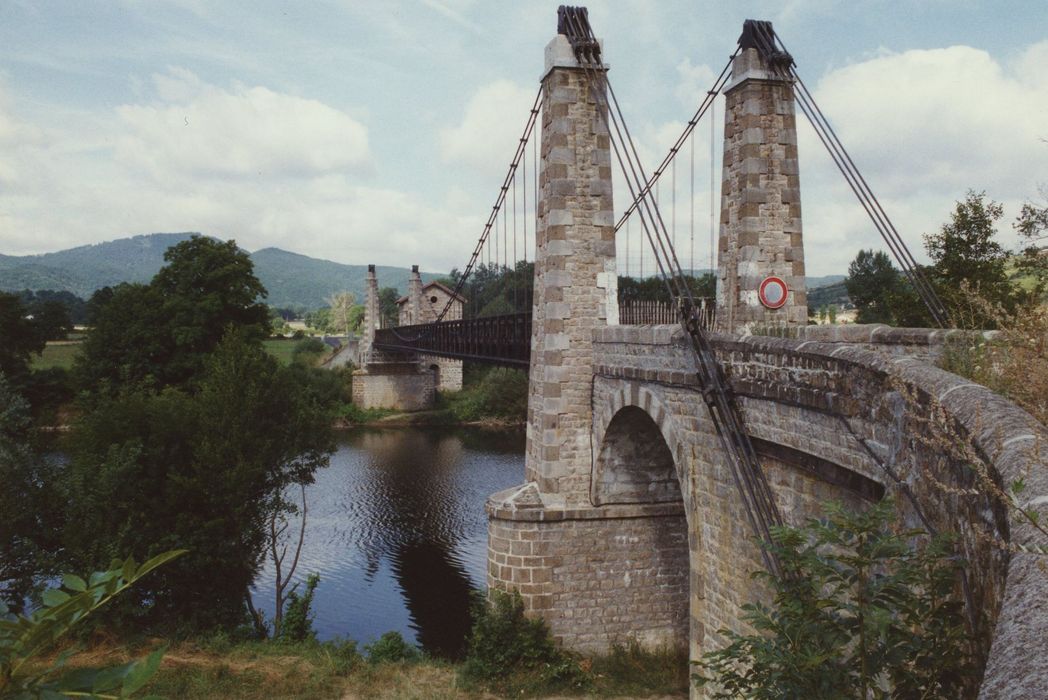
[
  {"x": 497, "y": 393},
  {"x": 512, "y": 653},
  {"x": 297, "y": 624},
  {"x": 307, "y": 351},
  {"x": 861, "y": 613},
  {"x": 391, "y": 648},
  {"x": 22, "y": 638},
  {"x": 1015, "y": 362}
]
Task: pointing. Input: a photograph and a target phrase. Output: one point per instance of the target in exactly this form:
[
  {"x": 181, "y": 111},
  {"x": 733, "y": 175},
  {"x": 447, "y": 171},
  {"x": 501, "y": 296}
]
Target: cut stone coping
[{"x": 519, "y": 504}]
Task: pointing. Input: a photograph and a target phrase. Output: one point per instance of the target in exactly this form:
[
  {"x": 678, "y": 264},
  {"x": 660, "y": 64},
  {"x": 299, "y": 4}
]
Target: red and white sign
[{"x": 773, "y": 292}]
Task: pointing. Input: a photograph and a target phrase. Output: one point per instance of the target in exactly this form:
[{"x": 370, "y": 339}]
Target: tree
[
  {"x": 160, "y": 334},
  {"x": 341, "y": 305},
  {"x": 201, "y": 467},
  {"x": 863, "y": 614},
  {"x": 965, "y": 250},
  {"x": 21, "y": 338},
  {"x": 30, "y": 511},
  {"x": 207, "y": 286},
  {"x": 1032, "y": 226},
  {"x": 387, "y": 305},
  {"x": 872, "y": 283}
]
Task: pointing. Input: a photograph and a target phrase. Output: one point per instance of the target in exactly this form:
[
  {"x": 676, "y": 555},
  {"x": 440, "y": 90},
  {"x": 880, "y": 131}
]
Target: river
[{"x": 397, "y": 531}]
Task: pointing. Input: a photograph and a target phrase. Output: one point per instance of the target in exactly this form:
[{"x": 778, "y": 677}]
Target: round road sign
[{"x": 773, "y": 292}]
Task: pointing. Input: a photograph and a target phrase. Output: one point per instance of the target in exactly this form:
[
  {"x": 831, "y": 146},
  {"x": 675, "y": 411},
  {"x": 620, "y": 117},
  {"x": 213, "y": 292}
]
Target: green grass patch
[
  {"x": 351, "y": 413},
  {"x": 59, "y": 355},
  {"x": 280, "y": 348}
]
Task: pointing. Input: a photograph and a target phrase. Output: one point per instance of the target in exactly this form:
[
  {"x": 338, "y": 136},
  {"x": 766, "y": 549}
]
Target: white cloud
[
  {"x": 923, "y": 126},
  {"x": 198, "y": 129},
  {"x": 488, "y": 134}
]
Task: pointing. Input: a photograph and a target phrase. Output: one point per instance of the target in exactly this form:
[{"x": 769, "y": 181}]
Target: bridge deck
[
  {"x": 506, "y": 340},
  {"x": 497, "y": 340}
]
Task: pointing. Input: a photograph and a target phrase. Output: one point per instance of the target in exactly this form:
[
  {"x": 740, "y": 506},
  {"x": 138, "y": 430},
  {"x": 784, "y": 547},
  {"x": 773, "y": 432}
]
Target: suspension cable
[
  {"x": 521, "y": 150},
  {"x": 771, "y": 47}
]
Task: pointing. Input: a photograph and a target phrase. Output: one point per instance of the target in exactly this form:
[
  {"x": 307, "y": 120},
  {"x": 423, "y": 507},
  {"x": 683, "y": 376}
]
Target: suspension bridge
[{"x": 666, "y": 442}]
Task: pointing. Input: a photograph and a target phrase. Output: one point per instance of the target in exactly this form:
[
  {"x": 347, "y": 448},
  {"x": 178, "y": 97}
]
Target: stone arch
[
  {"x": 434, "y": 367},
  {"x": 649, "y": 419},
  {"x": 634, "y": 464}
]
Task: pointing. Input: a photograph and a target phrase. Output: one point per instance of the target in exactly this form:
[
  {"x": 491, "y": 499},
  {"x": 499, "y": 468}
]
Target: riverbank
[
  {"x": 217, "y": 668},
  {"x": 441, "y": 417}
]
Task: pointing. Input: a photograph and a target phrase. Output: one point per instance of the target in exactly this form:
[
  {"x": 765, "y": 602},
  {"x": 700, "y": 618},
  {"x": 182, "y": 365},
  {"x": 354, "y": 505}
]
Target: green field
[
  {"x": 280, "y": 349},
  {"x": 56, "y": 355},
  {"x": 62, "y": 354}
]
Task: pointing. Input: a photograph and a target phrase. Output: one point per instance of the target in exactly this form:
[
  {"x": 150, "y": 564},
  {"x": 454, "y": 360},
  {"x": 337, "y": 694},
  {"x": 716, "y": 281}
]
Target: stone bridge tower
[
  {"x": 575, "y": 279},
  {"x": 760, "y": 226},
  {"x": 371, "y": 317}
]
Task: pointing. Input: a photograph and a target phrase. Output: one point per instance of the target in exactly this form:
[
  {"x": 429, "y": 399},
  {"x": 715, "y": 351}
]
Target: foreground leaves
[{"x": 24, "y": 637}]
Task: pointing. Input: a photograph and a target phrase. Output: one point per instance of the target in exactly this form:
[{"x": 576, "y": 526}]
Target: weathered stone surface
[
  {"x": 575, "y": 281},
  {"x": 760, "y": 232}
]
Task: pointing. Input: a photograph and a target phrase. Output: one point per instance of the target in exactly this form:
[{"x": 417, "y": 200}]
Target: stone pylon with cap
[
  {"x": 760, "y": 224},
  {"x": 371, "y": 316},
  {"x": 575, "y": 278},
  {"x": 415, "y": 297}
]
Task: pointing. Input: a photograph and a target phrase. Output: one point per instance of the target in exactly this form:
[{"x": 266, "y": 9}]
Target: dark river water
[{"x": 398, "y": 534}]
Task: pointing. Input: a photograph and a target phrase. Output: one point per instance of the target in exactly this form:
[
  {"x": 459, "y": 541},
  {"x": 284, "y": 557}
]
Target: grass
[
  {"x": 60, "y": 354},
  {"x": 280, "y": 348},
  {"x": 257, "y": 670}
]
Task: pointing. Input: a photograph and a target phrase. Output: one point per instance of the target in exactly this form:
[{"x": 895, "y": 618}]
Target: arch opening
[
  {"x": 435, "y": 369},
  {"x": 634, "y": 464}
]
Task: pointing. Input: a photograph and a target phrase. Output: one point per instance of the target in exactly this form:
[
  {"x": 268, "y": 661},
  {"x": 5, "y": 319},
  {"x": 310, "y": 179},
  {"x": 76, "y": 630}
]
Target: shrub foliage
[{"x": 864, "y": 614}]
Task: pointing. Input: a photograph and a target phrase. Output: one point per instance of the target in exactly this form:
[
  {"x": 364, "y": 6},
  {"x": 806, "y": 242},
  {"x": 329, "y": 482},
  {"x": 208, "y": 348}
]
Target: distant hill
[
  {"x": 290, "y": 278},
  {"x": 829, "y": 294},
  {"x": 824, "y": 281}
]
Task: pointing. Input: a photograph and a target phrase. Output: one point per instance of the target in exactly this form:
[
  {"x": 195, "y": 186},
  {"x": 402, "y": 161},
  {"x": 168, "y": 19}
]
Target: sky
[{"x": 379, "y": 131}]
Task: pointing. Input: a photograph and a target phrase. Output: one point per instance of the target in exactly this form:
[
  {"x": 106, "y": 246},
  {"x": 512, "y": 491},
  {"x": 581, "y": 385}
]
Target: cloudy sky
[{"x": 378, "y": 131}]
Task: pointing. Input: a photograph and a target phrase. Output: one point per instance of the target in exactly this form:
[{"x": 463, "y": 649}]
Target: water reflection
[{"x": 397, "y": 532}]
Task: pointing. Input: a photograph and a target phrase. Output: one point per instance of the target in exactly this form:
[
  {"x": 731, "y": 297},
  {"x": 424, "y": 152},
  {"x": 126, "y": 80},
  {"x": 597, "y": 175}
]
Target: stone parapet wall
[
  {"x": 835, "y": 419},
  {"x": 923, "y": 343},
  {"x": 598, "y": 576}
]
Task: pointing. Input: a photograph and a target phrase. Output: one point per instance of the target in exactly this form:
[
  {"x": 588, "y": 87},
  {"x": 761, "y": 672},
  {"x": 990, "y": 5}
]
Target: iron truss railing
[
  {"x": 506, "y": 340},
  {"x": 496, "y": 340}
]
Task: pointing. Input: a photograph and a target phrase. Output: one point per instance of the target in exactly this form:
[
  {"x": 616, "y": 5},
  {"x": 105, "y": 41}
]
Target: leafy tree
[
  {"x": 653, "y": 288},
  {"x": 21, "y": 338},
  {"x": 206, "y": 286},
  {"x": 27, "y": 528},
  {"x": 862, "y": 614},
  {"x": 341, "y": 304},
  {"x": 832, "y": 313},
  {"x": 872, "y": 282},
  {"x": 160, "y": 334},
  {"x": 965, "y": 250},
  {"x": 387, "y": 305},
  {"x": 200, "y": 467},
  {"x": 356, "y": 317},
  {"x": 1032, "y": 226},
  {"x": 75, "y": 307}
]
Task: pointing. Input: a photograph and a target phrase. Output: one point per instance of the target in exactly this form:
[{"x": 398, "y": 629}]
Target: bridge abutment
[{"x": 385, "y": 380}]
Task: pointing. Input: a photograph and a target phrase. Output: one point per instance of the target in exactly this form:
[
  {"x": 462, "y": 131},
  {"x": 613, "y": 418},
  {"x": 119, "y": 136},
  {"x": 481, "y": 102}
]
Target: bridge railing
[
  {"x": 500, "y": 340},
  {"x": 636, "y": 312}
]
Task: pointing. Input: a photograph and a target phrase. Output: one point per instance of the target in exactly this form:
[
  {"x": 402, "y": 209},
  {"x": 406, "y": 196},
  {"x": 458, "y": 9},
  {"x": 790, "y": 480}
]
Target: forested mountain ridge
[{"x": 290, "y": 278}]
